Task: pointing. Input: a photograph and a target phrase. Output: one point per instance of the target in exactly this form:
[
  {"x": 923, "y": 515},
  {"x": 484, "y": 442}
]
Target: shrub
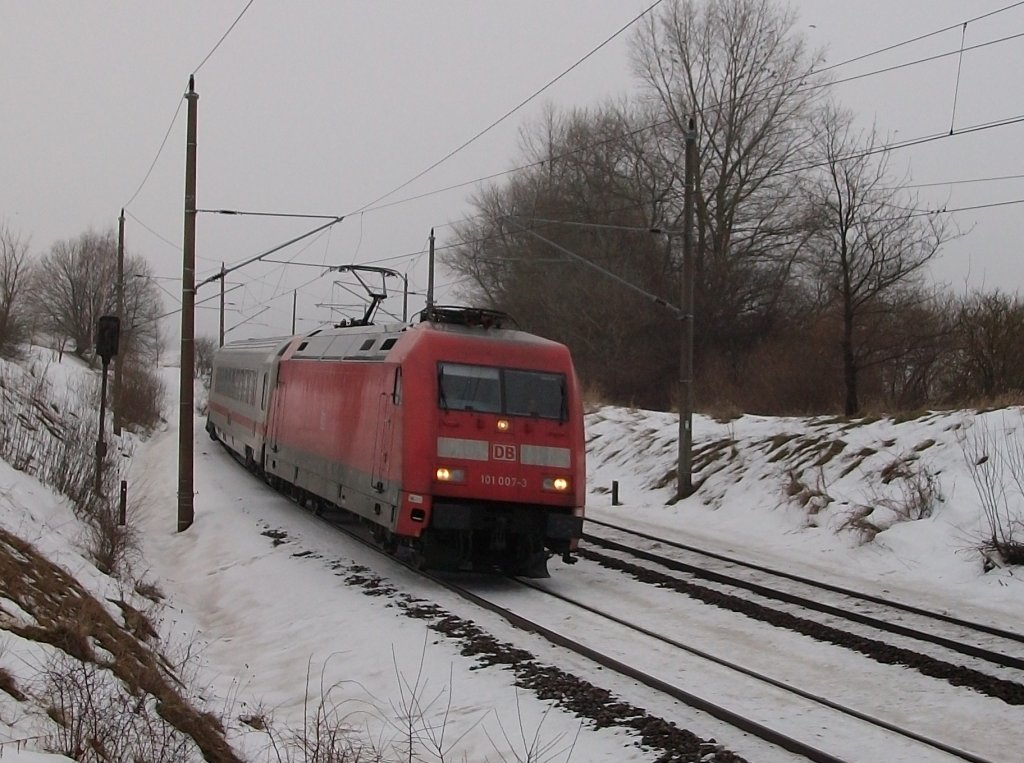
[
  {"x": 57, "y": 445},
  {"x": 998, "y": 477},
  {"x": 97, "y": 719},
  {"x": 142, "y": 397}
]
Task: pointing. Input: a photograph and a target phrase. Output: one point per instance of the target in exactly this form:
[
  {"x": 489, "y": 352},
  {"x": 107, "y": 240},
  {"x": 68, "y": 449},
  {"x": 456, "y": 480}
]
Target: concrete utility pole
[
  {"x": 120, "y": 319},
  {"x": 685, "y": 466},
  {"x": 222, "y": 279},
  {"x": 188, "y": 296}
]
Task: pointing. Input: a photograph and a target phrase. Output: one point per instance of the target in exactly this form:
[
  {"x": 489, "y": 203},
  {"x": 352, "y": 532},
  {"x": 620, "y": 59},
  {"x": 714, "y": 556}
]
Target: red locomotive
[{"x": 460, "y": 441}]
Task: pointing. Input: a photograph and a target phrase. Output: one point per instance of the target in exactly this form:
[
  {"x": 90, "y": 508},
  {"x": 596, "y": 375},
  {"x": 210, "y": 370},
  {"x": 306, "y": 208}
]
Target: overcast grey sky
[{"x": 322, "y": 107}]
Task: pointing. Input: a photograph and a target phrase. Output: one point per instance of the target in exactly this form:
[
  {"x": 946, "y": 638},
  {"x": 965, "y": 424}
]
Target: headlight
[
  {"x": 557, "y": 484},
  {"x": 444, "y": 474}
]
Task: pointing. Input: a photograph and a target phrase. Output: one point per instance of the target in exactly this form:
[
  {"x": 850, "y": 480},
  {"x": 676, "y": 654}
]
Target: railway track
[
  {"x": 981, "y": 656},
  {"x": 848, "y": 727},
  {"x": 767, "y": 712},
  {"x": 750, "y": 701}
]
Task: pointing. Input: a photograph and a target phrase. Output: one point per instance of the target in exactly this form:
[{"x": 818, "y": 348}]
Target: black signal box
[{"x": 108, "y": 333}]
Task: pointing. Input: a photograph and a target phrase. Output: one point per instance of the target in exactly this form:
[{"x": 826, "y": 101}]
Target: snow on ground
[
  {"x": 259, "y": 607},
  {"x": 744, "y": 501}
]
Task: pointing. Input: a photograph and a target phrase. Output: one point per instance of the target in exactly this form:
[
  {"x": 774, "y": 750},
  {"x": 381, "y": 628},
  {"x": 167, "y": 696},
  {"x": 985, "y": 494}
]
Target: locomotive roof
[{"x": 365, "y": 342}]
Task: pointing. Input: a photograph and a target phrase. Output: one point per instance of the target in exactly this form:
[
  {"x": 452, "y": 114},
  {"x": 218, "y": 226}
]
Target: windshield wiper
[{"x": 442, "y": 399}]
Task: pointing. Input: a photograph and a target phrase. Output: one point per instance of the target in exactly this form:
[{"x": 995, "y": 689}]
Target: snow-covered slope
[{"x": 261, "y": 614}]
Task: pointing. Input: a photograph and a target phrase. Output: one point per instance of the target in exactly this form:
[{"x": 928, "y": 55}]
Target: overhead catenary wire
[
  {"x": 265, "y": 282},
  {"x": 177, "y": 111},
  {"x": 860, "y": 57},
  {"x": 952, "y": 210},
  {"x": 920, "y": 37},
  {"x": 159, "y": 151},
  {"x": 373, "y": 207},
  {"x": 176, "y": 247},
  {"x": 860, "y": 153},
  {"x": 964, "y": 181},
  {"x": 890, "y": 146},
  {"x": 279, "y": 247},
  {"x": 663, "y": 122},
  {"x": 374, "y": 204},
  {"x": 959, "y": 70},
  {"x": 222, "y": 38},
  {"x": 244, "y": 213},
  {"x": 918, "y": 61},
  {"x": 178, "y": 310},
  {"x": 879, "y": 149},
  {"x": 514, "y": 109},
  {"x": 569, "y": 253}
]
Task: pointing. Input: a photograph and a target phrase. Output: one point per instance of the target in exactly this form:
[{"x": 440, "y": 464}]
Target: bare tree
[
  {"x": 590, "y": 173},
  {"x": 140, "y": 337},
  {"x": 870, "y": 246},
  {"x": 75, "y": 284},
  {"x": 987, "y": 360},
  {"x": 914, "y": 371},
  {"x": 740, "y": 69},
  {"x": 205, "y": 346},
  {"x": 15, "y": 273}
]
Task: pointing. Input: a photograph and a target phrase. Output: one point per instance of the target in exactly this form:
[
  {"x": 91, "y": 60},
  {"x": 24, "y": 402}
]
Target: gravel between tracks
[
  {"x": 1009, "y": 691},
  {"x": 670, "y": 743}
]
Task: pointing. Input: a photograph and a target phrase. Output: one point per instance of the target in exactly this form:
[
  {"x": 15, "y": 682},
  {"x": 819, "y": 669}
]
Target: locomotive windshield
[
  {"x": 470, "y": 388},
  {"x": 501, "y": 390}
]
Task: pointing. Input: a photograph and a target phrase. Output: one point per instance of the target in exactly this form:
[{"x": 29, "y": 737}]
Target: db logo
[{"x": 501, "y": 452}]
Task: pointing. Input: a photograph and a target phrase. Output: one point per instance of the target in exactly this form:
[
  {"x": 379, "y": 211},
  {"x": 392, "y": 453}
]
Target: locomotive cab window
[
  {"x": 469, "y": 388},
  {"x": 529, "y": 393},
  {"x": 501, "y": 390}
]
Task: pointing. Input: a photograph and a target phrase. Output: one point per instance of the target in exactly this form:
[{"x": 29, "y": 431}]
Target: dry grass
[
  {"x": 56, "y": 443},
  {"x": 10, "y": 686},
  {"x": 813, "y": 498},
  {"x": 108, "y": 690},
  {"x": 996, "y": 463},
  {"x": 913, "y": 494},
  {"x": 856, "y": 461},
  {"x": 593, "y": 398},
  {"x": 857, "y": 522}
]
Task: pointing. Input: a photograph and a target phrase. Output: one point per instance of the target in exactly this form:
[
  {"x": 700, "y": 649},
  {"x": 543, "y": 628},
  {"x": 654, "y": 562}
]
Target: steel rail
[
  {"x": 950, "y": 619},
  {"x": 738, "y": 721},
  {"x": 730, "y": 717},
  {"x": 721, "y": 713},
  {"x": 832, "y": 705}
]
